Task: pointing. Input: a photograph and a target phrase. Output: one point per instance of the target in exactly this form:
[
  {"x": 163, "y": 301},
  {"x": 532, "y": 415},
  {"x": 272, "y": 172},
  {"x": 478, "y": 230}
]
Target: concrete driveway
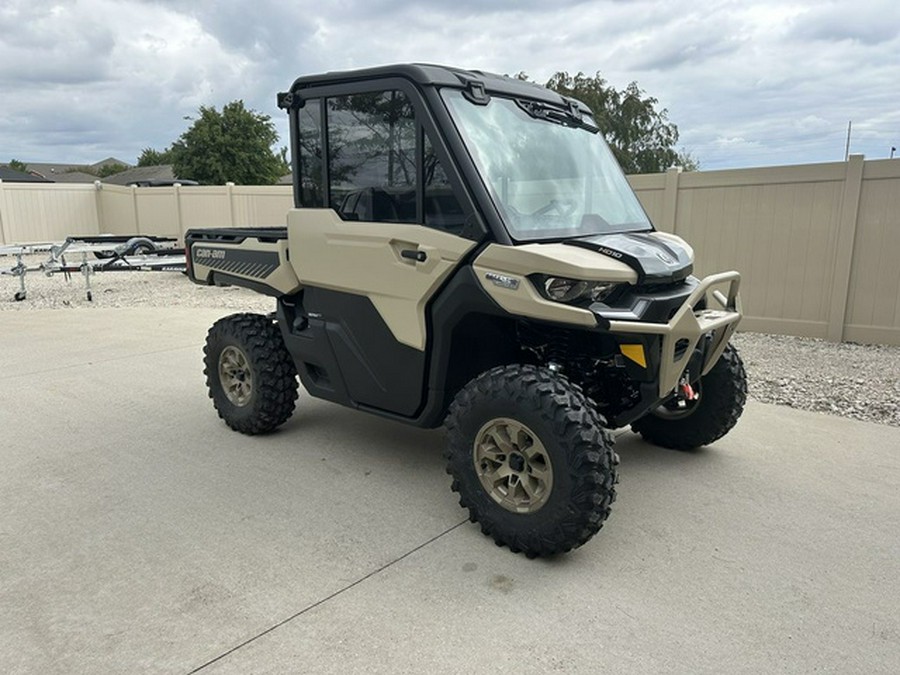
[{"x": 139, "y": 534}]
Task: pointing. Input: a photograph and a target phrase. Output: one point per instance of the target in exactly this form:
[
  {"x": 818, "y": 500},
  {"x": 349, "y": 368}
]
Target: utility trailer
[
  {"x": 101, "y": 253},
  {"x": 465, "y": 251}
]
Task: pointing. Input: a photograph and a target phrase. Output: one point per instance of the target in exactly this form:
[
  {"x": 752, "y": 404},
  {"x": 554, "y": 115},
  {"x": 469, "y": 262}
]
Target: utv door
[{"x": 382, "y": 241}]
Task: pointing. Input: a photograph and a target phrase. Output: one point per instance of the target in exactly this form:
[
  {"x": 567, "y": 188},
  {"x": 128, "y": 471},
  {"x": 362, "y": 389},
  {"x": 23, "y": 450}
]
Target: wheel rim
[
  {"x": 235, "y": 376},
  {"x": 513, "y": 465},
  {"x": 678, "y": 408}
]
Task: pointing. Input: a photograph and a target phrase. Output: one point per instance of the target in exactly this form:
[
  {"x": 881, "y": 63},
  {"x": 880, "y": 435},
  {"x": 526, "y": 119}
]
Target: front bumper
[{"x": 681, "y": 334}]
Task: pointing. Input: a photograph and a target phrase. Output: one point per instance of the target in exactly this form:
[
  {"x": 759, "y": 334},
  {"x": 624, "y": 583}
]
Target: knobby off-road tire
[
  {"x": 249, "y": 372},
  {"x": 527, "y": 437},
  {"x": 722, "y": 394}
]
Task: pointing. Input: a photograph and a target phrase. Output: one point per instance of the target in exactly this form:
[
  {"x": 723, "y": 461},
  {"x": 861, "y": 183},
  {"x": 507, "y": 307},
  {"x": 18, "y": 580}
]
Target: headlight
[{"x": 573, "y": 291}]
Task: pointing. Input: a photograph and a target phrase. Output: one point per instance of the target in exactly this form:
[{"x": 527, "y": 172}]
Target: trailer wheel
[
  {"x": 134, "y": 246},
  {"x": 139, "y": 246},
  {"x": 530, "y": 459},
  {"x": 249, "y": 373},
  {"x": 722, "y": 393}
]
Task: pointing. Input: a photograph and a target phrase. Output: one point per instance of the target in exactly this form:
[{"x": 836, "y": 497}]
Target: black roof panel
[{"x": 432, "y": 75}]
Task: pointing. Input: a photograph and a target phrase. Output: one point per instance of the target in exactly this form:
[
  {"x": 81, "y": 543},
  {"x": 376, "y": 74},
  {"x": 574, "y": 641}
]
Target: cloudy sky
[{"x": 749, "y": 82}]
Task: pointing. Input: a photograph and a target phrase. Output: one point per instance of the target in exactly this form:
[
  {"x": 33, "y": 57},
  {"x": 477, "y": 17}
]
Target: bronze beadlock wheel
[
  {"x": 530, "y": 459},
  {"x": 236, "y": 376},
  {"x": 513, "y": 466},
  {"x": 249, "y": 373}
]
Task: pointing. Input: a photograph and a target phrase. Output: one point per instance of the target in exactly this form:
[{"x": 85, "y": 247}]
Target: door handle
[{"x": 413, "y": 254}]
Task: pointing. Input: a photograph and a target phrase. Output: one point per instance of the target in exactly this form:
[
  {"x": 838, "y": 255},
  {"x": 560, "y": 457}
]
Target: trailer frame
[{"x": 99, "y": 253}]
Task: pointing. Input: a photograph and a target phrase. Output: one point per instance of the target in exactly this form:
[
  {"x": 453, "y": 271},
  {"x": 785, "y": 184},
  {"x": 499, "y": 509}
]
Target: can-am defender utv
[{"x": 465, "y": 251}]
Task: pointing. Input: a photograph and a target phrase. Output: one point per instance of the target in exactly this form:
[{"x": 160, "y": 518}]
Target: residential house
[{"x": 12, "y": 176}]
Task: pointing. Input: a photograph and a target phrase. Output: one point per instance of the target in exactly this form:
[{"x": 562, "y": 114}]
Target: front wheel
[
  {"x": 684, "y": 425},
  {"x": 249, "y": 372},
  {"x": 530, "y": 459}
]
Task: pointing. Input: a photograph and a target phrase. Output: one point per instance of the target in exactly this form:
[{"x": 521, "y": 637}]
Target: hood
[{"x": 655, "y": 259}]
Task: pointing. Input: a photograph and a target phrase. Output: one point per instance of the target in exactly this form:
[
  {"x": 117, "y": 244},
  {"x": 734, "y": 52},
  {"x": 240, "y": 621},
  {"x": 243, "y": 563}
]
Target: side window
[
  {"x": 372, "y": 157},
  {"x": 442, "y": 209},
  {"x": 312, "y": 193}
]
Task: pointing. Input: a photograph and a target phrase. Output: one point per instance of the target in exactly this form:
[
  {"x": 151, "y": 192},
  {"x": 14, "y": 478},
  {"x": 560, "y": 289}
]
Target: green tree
[
  {"x": 151, "y": 157},
  {"x": 687, "y": 161},
  {"x": 640, "y": 135},
  {"x": 16, "y": 165},
  {"x": 233, "y": 145},
  {"x": 110, "y": 169},
  {"x": 104, "y": 171}
]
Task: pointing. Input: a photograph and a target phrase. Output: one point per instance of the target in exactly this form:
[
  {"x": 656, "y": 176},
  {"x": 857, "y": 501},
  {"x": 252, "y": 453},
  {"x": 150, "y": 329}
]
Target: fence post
[
  {"x": 670, "y": 200},
  {"x": 98, "y": 204},
  {"x": 230, "y": 187},
  {"x": 846, "y": 235},
  {"x": 134, "y": 208},
  {"x": 179, "y": 219},
  {"x": 3, "y": 239}
]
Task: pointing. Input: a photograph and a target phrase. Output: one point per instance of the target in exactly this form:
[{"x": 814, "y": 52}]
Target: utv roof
[{"x": 431, "y": 75}]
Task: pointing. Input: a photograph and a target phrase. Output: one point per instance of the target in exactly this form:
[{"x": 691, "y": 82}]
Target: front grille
[{"x": 662, "y": 287}]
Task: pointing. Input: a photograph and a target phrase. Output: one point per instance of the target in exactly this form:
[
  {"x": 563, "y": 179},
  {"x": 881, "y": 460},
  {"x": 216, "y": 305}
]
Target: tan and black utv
[{"x": 465, "y": 251}]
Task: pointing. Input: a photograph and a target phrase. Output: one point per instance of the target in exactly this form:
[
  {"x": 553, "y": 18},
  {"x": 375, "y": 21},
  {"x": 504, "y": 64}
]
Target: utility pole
[{"x": 847, "y": 149}]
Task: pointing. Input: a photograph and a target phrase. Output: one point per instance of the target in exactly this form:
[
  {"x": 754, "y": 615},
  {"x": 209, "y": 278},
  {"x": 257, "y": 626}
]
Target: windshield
[{"x": 551, "y": 175}]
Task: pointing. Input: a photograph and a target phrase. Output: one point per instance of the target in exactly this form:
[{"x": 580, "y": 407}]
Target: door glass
[
  {"x": 372, "y": 157},
  {"x": 310, "y": 122},
  {"x": 442, "y": 209}
]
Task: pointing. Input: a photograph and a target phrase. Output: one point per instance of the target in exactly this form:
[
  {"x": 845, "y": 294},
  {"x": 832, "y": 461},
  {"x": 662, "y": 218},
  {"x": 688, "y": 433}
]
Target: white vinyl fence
[{"x": 817, "y": 245}]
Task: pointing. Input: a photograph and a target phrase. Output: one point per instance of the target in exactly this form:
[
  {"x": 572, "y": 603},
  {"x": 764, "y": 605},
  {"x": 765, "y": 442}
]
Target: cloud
[
  {"x": 788, "y": 97},
  {"x": 52, "y": 45},
  {"x": 756, "y": 82},
  {"x": 871, "y": 23},
  {"x": 104, "y": 75}
]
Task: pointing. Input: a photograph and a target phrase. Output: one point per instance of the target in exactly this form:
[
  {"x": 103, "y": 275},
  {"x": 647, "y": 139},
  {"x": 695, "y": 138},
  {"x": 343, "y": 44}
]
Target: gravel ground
[
  {"x": 851, "y": 380},
  {"x": 847, "y": 379}
]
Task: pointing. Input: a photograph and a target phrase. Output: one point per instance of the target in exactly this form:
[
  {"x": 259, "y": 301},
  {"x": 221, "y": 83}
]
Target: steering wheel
[{"x": 562, "y": 207}]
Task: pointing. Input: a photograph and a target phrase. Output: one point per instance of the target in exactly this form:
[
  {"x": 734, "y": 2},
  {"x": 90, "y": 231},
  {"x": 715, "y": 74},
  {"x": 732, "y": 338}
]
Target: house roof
[
  {"x": 96, "y": 166},
  {"x": 13, "y": 176},
  {"x": 162, "y": 174},
  {"x": 54, "y": 171},
  {"x": 74, "y": 177},
  {"x": 140, "y": 174}
]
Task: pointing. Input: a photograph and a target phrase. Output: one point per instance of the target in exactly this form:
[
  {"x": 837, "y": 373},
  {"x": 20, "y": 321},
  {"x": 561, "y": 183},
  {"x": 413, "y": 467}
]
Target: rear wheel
[
  {"x": 719, "y": 402},
  {"x": 530, "y": 459},
  {"x": 249, "y": 372}
]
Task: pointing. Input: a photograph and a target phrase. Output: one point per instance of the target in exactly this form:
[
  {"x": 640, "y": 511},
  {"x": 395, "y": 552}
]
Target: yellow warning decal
[{"x": 635, "y": 353}]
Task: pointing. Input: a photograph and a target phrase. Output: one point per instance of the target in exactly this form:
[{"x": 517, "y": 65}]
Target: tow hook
[{"x": 685, "y": 390}]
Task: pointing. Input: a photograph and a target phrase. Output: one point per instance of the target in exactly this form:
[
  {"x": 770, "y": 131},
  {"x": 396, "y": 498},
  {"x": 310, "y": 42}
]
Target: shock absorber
[{"x": 557, "y": 349}]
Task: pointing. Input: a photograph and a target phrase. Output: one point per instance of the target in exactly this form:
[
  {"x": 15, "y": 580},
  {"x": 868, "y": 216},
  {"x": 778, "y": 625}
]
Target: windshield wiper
[{"x": 567, "y": 118}]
